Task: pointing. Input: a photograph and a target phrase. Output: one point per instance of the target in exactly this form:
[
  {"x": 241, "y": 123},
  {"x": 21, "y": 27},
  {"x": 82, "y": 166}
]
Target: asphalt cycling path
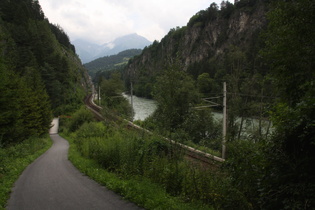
[{"x": 52, "y": 182}]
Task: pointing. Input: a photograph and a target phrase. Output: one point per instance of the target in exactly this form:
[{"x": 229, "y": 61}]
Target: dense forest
[{"x": 41, "y": 75}]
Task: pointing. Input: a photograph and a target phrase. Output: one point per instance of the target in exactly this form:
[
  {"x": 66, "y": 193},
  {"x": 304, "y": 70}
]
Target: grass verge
[
  {"x": 13, "y": 161},
  {"x": 137, "y": 189}
]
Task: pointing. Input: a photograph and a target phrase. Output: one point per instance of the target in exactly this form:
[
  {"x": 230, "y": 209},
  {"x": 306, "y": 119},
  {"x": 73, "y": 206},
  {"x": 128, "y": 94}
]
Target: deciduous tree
[
  {"x": 175, "y": 93},
  {"x": 291, "y": 51}
]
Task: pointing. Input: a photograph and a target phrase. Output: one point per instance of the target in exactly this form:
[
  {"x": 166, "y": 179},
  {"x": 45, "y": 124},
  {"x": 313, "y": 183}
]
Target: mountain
[
  {"x": 221, "y": 43},
  {"x": 111, "y": 62},
  {"x": 88, "y": 51}
]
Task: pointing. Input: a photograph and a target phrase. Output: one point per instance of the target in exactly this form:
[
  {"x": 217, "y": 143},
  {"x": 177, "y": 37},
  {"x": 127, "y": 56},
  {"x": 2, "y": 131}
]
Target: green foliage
[
  {"x": 31, "y": 44},
  {"x": 205, "y": 84},
  {"x": 10, "y": 121},
  {"x": 39, "y": 71},
  {"x": 194, "y": 21},
  {"x": 142, "y": 84},
  {"x": 199, "y": 19},
  {"x": 246, "y": 5},
  {"x": 14, "y": 159},
  {"x": 291, "y": 157},
  {"x": 291, "y": 153},
  {"x": 139, "y": 190},
  {"x": 174, "y": 101},
  {"x": 227, "y": 9},
  {"x": 177, "y": 32},
  {"x": 80, "y": 117},
  {"x": 25, "y": 107},
  {"x": 213, "y": 50},
  {"x": 250, "y": 95},
  {"x": 137, "y": 156},
  {"x": 61, "y": 36},
  {"x": 272, "y": 172},
  {"x": 111, "y": 96},
  {"x": 290, "y": 48},
  {"x": 144, "y": 87},
  {"x": 246, "y": 165},
  {"x": 111, "y": 62},
  {"x": 202, "y": 129},
  {"x": 112, "y": 86},
  {"x": 40, "y": 101}
]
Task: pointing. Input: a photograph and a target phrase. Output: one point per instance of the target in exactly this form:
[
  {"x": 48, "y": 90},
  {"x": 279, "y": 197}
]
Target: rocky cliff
[{"x": 206, "y": 41}]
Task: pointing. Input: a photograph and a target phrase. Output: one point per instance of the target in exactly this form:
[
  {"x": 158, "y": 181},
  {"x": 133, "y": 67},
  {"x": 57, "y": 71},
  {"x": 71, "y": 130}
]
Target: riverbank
[{"x": 142, "y": 107}]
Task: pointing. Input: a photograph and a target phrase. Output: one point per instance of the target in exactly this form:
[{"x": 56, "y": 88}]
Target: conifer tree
[{"x": 11, "y": 123}]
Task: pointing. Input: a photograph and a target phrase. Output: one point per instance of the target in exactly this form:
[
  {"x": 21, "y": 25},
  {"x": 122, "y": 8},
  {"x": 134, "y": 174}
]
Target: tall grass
[
  {"x": 14, "y": 159},
  {"x": 138, "y": 189},
  {"x": 131, "y": 153}
]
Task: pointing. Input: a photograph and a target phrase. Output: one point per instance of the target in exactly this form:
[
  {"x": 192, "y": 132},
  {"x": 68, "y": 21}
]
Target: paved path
[
  {"x": 55, "y": 126},
  {"x": 52, "y": 182}
]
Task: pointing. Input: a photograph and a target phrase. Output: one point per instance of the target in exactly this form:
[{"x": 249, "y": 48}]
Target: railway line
[
  {"x": 88, "y": 100},
  {"x": 190, "y": 152}
]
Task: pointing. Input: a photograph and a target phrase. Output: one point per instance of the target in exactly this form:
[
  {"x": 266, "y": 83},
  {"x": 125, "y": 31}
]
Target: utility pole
[
  {"x": 131, "y": 99},
  {"x": 131, "y": 91},
  {"x": 99, "y": 95},
  {"x": 212, "y": 104},
  {"x": 224, "y": 122}
]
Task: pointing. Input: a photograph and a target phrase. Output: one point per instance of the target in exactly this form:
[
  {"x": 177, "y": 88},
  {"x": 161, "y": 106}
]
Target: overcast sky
[{"x": 101, "y": 21}]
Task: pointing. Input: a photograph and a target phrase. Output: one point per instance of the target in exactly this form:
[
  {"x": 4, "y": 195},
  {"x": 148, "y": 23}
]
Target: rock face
[{"x": 208, "y": 35}]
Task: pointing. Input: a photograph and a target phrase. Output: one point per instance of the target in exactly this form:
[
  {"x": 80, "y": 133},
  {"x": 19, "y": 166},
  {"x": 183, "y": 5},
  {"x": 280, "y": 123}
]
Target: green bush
[
  {"x": 14, "y": 159},
  {"x": 201, "y": 127},
  {"x": 92, "y": 129},
  {"x": 79, "y": 117},
  {"x": 246, "y": 166},
  {"x": 137, "y": 189},
  {"x": 133, "y": 154}
]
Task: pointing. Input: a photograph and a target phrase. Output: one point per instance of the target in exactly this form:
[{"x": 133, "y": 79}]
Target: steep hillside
[
  {"x": 216, "y": 42},
  {"x": 110, "y": 62},
  {"x": 40, "y": 72}
]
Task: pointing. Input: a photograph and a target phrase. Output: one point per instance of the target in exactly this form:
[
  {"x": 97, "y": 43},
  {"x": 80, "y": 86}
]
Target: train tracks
[
  {"x": 88, "y": 100},
  {"x": 190, "y": 152}
]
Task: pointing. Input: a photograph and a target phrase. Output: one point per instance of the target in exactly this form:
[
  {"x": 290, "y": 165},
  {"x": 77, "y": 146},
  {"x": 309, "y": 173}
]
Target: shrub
[
  {"x": 79, "y": 117},
  {"x": 246, "y": 167},
  {"x": 14, "y": 159},
  {"x": 137, "y": 154}
]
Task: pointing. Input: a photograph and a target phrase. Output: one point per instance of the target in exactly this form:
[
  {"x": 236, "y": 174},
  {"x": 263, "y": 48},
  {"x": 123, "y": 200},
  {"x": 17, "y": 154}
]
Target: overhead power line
[{"x": 257, "y": 96}]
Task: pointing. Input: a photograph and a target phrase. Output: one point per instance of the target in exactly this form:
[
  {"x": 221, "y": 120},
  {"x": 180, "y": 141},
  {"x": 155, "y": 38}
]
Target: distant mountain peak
[{"x": 88, "y": 51}]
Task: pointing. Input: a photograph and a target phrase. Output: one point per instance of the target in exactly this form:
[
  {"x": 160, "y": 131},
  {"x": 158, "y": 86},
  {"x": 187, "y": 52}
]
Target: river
[{"x": 143, "y": 108}]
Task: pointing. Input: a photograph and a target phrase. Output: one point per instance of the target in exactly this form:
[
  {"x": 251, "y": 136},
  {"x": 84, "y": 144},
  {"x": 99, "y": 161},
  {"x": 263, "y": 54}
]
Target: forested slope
[
  {"x": 111, "y": 62},
  {"x": 218, "y": 42},
  {"x": 216, "y": 46},
  {"x": 41, "y": 75}
]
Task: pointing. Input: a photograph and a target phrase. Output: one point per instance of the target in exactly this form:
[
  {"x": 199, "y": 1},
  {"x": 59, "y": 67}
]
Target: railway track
[
  {"x": 88, "y": 100},
  {"x": 190, "y": 152}
]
